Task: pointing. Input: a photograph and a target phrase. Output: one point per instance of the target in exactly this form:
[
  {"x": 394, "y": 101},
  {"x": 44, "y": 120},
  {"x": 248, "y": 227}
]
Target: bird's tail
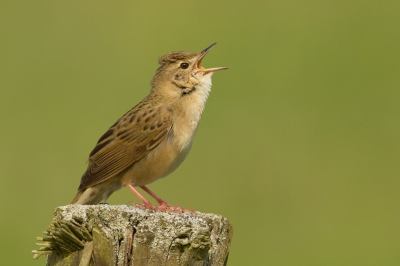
[{"x": 78, "y": 195}]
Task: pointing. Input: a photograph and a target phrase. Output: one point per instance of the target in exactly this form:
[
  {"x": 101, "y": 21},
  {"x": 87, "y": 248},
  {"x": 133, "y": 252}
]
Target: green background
[{"x": 299, "y": 145}]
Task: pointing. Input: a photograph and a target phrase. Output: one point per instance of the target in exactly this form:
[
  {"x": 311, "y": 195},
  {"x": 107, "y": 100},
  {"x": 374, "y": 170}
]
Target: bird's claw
[{"x": 164, "y": 207}]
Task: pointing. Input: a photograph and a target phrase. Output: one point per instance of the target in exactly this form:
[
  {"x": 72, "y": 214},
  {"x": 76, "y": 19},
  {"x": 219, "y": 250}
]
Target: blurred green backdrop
[{"x": 299, "y": 145}]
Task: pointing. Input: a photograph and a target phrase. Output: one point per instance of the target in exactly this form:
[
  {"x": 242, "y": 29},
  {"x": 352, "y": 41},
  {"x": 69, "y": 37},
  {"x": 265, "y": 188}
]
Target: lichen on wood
[{"x": 124, "y": 235}]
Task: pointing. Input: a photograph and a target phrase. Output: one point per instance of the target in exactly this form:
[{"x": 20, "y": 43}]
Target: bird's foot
[
  {"x": 144, "y": 206},
  {"x": 164, "y": 207}
]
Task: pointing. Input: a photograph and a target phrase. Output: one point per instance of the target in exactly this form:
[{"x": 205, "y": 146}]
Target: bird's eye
[{"x": 184, "y": 65}]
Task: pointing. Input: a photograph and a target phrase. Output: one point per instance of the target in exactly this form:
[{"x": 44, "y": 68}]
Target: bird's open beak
[{"x": 201, "y": 56}]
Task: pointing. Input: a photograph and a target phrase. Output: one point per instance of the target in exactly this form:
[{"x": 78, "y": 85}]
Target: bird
[{"x": 152, "y": 139}]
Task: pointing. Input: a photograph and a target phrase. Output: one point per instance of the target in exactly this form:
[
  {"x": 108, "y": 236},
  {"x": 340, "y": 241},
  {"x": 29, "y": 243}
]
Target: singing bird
[{"x": 153, "y": 138}]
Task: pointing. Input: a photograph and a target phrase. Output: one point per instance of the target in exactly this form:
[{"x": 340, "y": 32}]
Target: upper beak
[{"x": 201, "y": 56}]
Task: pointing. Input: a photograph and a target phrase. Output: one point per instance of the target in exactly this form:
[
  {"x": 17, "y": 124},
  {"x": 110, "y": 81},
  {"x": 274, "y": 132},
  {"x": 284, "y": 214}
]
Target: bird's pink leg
[
  {"x": 157, "y": 198},
  {"x": 163, "y": 205},
  {"x": 146, "y": 203}
]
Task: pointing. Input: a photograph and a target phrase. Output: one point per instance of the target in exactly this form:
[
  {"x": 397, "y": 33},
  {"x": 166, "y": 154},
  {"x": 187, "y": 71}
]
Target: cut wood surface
[{"x": 124, "y": 235}]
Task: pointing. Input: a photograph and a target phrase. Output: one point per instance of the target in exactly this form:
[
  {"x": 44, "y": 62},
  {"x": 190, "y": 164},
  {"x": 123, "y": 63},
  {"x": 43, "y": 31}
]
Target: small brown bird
[{"x": 152, "y": 139}]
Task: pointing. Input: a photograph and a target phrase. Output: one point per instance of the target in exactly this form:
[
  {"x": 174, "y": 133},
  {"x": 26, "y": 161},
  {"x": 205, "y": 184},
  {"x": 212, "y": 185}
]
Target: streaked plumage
[{"x": 153, "y": 138}]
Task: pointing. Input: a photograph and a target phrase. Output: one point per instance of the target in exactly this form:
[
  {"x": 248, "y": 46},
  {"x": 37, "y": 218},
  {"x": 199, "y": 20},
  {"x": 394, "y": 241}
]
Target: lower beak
[{"x": 202, "y": 54}]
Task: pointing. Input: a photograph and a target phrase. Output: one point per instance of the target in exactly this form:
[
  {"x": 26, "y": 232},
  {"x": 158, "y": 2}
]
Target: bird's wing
[{"x": 127, "y": 141}]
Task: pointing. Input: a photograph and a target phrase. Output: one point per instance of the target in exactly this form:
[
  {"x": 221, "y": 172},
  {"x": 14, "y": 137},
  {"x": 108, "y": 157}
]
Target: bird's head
[{"x": 181, "y": 73}]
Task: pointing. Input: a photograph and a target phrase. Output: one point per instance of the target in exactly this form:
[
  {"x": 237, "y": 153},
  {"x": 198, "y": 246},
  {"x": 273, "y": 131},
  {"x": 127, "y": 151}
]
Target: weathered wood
[{"x": 122, "y": 235}]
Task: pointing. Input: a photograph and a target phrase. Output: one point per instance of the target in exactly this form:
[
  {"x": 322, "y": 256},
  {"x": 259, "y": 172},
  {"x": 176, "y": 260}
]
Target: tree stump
[{"x": 123, "y": 235}]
